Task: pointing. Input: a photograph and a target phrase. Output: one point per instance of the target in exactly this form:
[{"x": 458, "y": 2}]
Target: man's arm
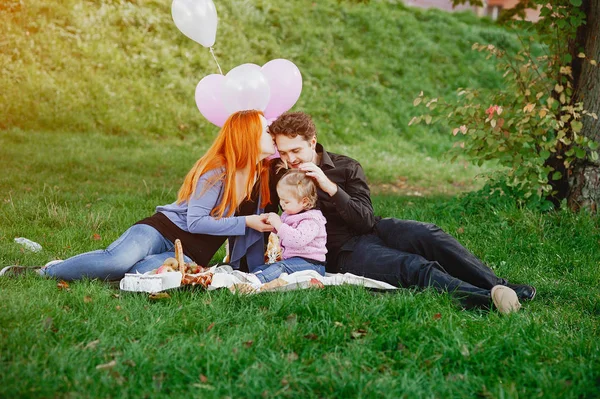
[{"x": 353, "y": 202}]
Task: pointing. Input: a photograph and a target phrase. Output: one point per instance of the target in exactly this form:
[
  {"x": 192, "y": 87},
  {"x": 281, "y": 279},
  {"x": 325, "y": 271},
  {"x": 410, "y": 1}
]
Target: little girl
[{"x": 301, "y": 228}]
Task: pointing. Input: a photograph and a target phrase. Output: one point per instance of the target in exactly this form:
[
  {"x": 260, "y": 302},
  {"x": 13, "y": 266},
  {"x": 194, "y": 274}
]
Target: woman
[{"x": 233, "y": 172}]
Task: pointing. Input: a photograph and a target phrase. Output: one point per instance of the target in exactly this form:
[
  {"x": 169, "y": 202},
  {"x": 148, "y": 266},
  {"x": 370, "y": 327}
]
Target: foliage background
[{"x": 122, "y": 68}]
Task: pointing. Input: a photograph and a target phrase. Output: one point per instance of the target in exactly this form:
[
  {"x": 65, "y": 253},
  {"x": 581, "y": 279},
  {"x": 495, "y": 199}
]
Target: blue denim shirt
[{"x": 194, "y": 216}]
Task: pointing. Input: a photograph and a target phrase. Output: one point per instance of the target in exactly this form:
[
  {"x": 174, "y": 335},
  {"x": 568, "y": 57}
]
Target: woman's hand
[
  {"x": 259, "y": 223},
  {"x": 274, "y": 220}
]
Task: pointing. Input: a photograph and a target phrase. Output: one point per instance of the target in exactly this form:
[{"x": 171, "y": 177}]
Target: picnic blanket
[{"x": 224, "y": 276}]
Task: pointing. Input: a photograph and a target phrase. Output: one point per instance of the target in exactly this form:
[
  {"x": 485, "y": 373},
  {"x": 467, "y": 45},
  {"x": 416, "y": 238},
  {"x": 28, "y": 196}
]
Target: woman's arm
[{"x": 201, "y": 204}]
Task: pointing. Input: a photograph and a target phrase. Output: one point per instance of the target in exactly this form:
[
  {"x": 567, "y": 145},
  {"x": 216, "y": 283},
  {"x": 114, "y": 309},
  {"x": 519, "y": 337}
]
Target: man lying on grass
[{"x": 403, "y": 253}]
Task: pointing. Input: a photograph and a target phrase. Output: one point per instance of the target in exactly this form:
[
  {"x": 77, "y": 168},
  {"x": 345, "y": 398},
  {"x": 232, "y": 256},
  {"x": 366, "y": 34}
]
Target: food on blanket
[
  {"x": 273, "y": 284},
  {"x": 164, "y": 269},
  {"x": 203, "y": 280},
  {"x": 273, "y": 253},
  {"x": 191, "y": 273},
  {"x": 242, "y": 288},
  {"x": 179, "y": 256}
]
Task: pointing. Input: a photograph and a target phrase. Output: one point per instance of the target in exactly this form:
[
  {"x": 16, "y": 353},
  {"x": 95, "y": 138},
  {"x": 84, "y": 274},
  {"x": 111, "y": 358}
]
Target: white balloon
[
  {"x": 246, "y": 87},
  {"x": 197, "y": 19}
]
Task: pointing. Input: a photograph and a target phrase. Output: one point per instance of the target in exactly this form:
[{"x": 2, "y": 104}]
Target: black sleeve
[{"x": 354, "y": 202}]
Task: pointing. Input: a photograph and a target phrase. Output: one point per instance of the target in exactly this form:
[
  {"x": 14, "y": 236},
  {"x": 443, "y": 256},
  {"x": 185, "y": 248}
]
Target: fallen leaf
[
  {"x": 62, "y": 285},
  {"x": 437, "y": 316},
  {"x": 107, "y": 366},
  {"x": 203, "y": 379},
  {"x": 248, "y": 344},
  {"x": 292, "y": 320},
  {"x": 460, "y": 230},
  {"x": 92, "y": 344},
  {"x": 464, "y": 351},
  {"x": 159, "y": 295},
  {"x": 361, "y": 332},
  {"x": 118, "y": 307},
  {"x": 210, "y": 327},
  {"x": 204, "y": 386},
  {"x": 116, "y": 296},
  {"x": 400, "y": 347},
  {"x": 284, "y": 382},
  {"x": 87, "y": 299},
  {"x": 316, "y": 283},
  {"x": 96, "y": 237},
  {"x": 338, "y": 324},
  {"x": 129, "y": 363},
  {"x": 292, "y": 356},
  {"x": 311, "y": 336}
]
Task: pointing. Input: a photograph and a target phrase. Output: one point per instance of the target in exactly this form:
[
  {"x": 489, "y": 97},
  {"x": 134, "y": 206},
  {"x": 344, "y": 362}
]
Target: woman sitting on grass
[
  {"x": 229, "y": 181},
  {"x": 301, "y": 228}
]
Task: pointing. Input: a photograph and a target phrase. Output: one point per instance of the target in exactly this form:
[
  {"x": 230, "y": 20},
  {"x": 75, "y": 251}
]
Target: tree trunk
[{"x": 584, "y": 182}]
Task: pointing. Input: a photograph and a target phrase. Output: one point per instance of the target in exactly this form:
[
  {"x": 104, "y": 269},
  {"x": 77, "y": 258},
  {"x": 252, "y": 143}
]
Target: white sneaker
[{"x": 53, "y": 262}]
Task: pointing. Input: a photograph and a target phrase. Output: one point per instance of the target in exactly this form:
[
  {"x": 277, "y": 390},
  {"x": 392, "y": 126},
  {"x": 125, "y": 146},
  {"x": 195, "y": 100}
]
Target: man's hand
[
  {"x": 318, "y": 175},
  {"x": 259, "y": 223},
  {"x": 274, "y": 220}
]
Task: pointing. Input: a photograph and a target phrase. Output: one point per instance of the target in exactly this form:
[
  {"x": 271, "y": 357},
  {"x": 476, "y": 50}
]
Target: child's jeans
[{"x": 266, "y": 273}]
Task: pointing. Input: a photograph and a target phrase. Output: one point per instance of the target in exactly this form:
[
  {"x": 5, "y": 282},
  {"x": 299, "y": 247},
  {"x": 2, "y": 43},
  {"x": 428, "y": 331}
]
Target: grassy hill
[{"x": 122, "y": 68}]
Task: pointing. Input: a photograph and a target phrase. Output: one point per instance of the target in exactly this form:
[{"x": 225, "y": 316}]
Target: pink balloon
[
  {"x": 209, "y": 94},
  {"x": 285, "y": 81}
]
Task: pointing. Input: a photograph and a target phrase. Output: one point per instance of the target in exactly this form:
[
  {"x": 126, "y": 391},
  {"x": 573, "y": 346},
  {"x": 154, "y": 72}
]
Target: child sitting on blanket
[{"x": 301, "y": 228}]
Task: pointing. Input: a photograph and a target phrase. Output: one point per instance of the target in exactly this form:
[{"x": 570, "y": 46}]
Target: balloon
[
  {"x": 285, "y": 81},
  {"x": 197, "y": 19},
  {"x": 209, "y": 99},
  {"x": 246, "y": 88}
]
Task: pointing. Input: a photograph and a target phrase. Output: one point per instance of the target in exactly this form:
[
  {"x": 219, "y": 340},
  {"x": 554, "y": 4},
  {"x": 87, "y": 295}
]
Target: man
[{"x": 403, "y": 253}]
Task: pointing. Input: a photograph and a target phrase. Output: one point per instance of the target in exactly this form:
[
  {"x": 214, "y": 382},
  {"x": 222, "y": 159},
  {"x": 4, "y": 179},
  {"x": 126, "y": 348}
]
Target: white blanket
[{"x": 226, "y": 277}]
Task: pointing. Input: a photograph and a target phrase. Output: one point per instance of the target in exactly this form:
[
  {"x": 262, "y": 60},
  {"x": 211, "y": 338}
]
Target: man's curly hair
[{"x": 292, "y": 124}]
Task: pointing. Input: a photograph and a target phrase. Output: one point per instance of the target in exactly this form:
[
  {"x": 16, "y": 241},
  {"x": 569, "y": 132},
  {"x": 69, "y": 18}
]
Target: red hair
[{"x": 236, "y": 147}]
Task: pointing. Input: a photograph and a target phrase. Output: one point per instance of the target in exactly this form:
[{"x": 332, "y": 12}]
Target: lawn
[
  {"x": 98, "y": 127},
  {"x": 73, "y": 193}
]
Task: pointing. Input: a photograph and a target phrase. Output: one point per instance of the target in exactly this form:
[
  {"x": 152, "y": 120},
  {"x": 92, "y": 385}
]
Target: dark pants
[{"x": 406, "y": 253}]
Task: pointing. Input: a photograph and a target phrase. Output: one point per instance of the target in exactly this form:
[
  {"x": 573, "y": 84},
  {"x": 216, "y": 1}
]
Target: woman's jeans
[
  {"x": 266, "y": 273},
  {"x": 140, "y": 249}
]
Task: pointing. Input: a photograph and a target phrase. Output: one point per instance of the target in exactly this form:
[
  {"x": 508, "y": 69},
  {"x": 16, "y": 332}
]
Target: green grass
[
  {"x": 61, "y": 189},
  {"x": 122, "y": 68},
  {"x": 98, "y": 126}
]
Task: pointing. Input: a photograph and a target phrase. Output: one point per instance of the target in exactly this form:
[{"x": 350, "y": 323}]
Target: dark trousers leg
[
  {"x": 372, "y": 258},
  {"x": 432, "y": 243}
]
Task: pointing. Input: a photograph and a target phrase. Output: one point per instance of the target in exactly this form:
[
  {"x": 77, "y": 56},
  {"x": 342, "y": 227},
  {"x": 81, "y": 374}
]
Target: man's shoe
[
  {"x": 524, "y": 292},
  {"x": 12, "y": 271}
]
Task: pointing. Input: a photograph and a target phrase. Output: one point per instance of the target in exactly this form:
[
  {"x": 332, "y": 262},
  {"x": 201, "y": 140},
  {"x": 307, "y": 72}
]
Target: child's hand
[{"x": 274, "y": 220}]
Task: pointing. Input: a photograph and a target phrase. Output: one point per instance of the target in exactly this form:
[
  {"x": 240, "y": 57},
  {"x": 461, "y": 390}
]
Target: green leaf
[
  {"x": 594, "y": 156},
  {"x": 556, "y": 175},
  {"x": 577, "y": 126},
  {"x": 544, "y": 154},
  {"x": 576, "y": 3},
  {"x": 593, "y": 145},
  {"x": 579, "y": 153}
]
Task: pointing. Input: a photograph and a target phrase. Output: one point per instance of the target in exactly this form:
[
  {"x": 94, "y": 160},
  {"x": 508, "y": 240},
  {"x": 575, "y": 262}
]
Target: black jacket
[{"x": 349, "y": 212}]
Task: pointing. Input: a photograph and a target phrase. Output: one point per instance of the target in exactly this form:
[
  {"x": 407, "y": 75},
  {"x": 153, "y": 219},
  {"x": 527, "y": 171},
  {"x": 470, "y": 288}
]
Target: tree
[{"x": 571, "y": 29}]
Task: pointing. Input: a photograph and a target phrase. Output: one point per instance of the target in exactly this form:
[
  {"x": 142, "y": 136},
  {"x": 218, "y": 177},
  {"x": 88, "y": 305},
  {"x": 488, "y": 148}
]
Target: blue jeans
[
  {"x": 140, "y": 249},
  {"x": 290, "y": 265}
]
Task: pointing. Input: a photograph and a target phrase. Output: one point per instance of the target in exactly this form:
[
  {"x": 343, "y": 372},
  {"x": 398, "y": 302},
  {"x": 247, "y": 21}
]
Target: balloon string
[{"x": 215, "y": 58}]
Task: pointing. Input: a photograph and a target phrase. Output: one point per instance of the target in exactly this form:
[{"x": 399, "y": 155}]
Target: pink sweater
[{"x": 303, "y": 235}]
